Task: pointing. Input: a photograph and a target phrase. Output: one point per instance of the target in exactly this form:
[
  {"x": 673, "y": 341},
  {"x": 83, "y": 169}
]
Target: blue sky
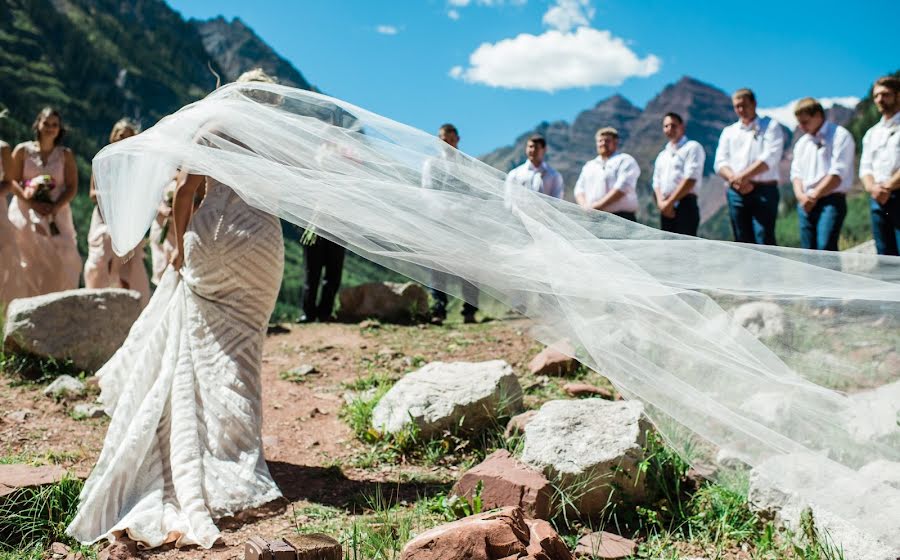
[{"x": 411, "y": 60}]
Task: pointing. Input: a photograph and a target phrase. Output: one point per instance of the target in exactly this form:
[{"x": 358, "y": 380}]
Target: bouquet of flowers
[{"x": 40, "y": 189}]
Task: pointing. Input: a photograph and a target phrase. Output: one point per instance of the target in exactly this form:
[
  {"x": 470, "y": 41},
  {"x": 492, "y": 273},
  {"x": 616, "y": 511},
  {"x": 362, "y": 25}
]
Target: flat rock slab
[
  {"x": 554, "y": 360},
  {"x": 14, "y": 477},
  {"x": 579, "y": 390},
  {"x": 507, "y": 482},
  {"x": 389, "y": 302},
  {"x": 516, "y": 425},
  {"x": 86, "y": 326},
  {"x": 502, "y": 534},
  {"x": 316, "y": 546},
  {"x": 591, "y": 447},
  {"x": 445, "y": 396},
  {"x": 785, "y": 486},
  {"x": 604, "y": 545}
]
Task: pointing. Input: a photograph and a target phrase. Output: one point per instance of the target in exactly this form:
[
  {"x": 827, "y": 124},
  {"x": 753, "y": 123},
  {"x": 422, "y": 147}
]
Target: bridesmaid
[
  {"x": 103, "y": 268},
  {"x": 41, "y": 216},
  {"x": 10, "y": 262}
]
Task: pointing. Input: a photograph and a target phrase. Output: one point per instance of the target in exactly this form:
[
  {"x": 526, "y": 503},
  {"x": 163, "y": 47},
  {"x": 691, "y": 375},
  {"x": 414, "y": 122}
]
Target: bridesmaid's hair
[
  {"x": 43, "y": 114},
  {"x": 123, "y": 124}
]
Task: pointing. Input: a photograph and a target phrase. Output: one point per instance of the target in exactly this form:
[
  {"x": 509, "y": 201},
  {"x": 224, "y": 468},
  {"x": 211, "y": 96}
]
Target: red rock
[
  {"x": 554, "y": 362},
  {"x": 493, "y": 535},
  {"x": 13, "y": 477},
  {"x": 507, "y": 482},
  {"x": 585, "y": 390},
  {"x": 503, "y": 534},
  {"x": 59, "y": 550},
  {"x": 545, "y": 542},
  {"x": 604, "y": 545},
  {"x": 516, "y": 424},
  {"x": 122, "y": 549}
]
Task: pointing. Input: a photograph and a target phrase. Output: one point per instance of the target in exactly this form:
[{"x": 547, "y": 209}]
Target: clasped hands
[
  {"x": 880, "y": 192},
  {"x": 741, "y": 184}
]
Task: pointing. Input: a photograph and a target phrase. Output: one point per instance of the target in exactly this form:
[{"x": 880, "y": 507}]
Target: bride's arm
[{"x": 182, "y": 209}]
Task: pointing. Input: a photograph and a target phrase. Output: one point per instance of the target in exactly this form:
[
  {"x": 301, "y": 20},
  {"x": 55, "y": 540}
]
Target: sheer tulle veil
[{"x": 785, "y": 360}]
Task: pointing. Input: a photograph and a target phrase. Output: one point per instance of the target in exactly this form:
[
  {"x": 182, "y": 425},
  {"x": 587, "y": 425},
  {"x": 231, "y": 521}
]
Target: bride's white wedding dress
[{"x": 184, "y": 446}]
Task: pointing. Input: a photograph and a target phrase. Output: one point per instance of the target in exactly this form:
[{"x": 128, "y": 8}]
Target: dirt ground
[{"x": 307, "y": 445}]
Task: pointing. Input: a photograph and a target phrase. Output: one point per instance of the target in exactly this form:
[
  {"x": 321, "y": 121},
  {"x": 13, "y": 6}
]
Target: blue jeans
[
  {"x": 886, "y": 225},
  {"x": 820, "y": 228},
  {"x": 687, "y": 217},
  {"x": 753, "y": 215}
]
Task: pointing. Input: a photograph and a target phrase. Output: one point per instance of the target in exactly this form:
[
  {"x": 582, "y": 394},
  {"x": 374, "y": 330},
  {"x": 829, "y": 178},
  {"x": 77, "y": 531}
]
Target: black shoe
[
  {"x": 469, "y": 319},
  {"x": 437, "y": 319},
  {"x": 304, "y": 319}
]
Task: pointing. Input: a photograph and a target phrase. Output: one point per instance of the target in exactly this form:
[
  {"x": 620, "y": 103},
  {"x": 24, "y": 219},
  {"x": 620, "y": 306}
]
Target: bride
[{"x": 184, "y": 446}]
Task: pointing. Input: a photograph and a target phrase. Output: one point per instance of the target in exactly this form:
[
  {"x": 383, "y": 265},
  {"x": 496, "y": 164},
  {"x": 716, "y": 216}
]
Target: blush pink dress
[
  {"x": 11, "y": 271},
  {"x": 104, "y": 269},
  {"x": 51, "y": 262}
]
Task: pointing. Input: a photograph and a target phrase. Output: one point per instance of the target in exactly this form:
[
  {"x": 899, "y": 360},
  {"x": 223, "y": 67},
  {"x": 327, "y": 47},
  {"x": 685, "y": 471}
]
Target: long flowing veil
[{"x": 784, "y": 359}]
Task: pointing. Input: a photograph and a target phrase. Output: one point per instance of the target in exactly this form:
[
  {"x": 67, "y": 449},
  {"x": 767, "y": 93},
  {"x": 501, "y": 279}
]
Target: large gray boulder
[
  {"x": 442, "y": 396},
  {"x": 591, "y": 448},
  {"x": 389, "y": 302},
  {"x": 86, "y": 326},
  {"x": 787, "y": 487}
]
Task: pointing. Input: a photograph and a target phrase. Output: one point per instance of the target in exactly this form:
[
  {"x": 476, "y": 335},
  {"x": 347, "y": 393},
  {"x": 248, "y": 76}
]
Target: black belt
[{"x": 764, "y": 183}]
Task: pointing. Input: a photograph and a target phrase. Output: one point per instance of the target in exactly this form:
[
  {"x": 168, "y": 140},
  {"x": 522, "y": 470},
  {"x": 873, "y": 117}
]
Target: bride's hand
[{"x": 176, "y": 259}]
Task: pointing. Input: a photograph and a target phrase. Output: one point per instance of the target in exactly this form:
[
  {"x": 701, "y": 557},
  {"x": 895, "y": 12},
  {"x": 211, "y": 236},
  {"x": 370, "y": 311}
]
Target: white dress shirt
[
  {"x": 677, "y": 162},
  {"x": 881, "y": 150},
  {"x": 830, "y": 151},
  {"x": 741, "y": 145},
  {"x": 598, "y": 177},
  {"x": 543, "y": 179}
]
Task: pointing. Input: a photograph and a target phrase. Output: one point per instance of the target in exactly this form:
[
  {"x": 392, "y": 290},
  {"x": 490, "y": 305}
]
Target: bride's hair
[{"x": 256, "y": 75}]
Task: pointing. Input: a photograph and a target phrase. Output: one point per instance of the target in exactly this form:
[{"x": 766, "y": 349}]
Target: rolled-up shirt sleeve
[
  {"x": 693, "y": 162},
  {"x": 627, "y": 176},
  {"x": 843, "y": 150},
  {"x": 656, "y": 180},
  {"x": 772, "y": 145},
  {"x": 865, "y": 160},
  {"x": 723, "y": 153}
]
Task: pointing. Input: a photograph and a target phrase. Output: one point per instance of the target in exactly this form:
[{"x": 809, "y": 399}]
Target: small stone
[
  {"x": 369, "y": 324},
  {"x": 554, "y": 362},
  {"x": 604, "y": 545},
  {"x": 18, "y": 416},
  {"x": 578, "y": 390},
  {"x": 516, "y": 424},
  {"x": 507, "y": 482},
  {"x": 65, "y": 386},
  {"x": 59, "y": 550},
  {"x": 762, "y": 319},
  {"x": 122, "y": 549},
  {"x": 83, "y": 411}
]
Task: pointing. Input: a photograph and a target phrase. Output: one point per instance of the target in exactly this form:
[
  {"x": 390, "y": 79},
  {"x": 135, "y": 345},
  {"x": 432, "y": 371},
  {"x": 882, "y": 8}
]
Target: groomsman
[
  {"x": 535, "y": 174},
  {"x": 677, "y": 174},
  {"x": 609, "y": 181},
  {"x": 879, "y": 166},
  {"x": 747, "y": 158},
  {"x": 822, "y": 174},
  {"x": 439, "y": 174}
]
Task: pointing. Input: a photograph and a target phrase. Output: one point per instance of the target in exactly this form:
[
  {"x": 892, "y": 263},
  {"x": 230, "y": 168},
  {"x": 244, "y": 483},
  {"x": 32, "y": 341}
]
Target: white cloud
[
  {"x": 387, "y": 30},
  {"x": 566, "y": 15},
  {"x": 453, "y": 14},
  {"x": 555, "y": 60},
  {"x": 785, "y": 113}
]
